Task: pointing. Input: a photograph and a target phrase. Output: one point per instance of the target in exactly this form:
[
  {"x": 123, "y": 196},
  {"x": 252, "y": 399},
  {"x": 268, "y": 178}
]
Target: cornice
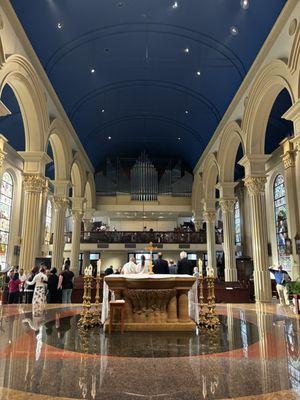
[
  {"x": 257, "y": 64},
  {"x": 33, "y": 58}
]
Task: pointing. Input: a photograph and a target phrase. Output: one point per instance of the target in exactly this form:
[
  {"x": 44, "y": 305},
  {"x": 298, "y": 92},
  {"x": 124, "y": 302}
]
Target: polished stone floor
[{"x": 253, "y": 355}]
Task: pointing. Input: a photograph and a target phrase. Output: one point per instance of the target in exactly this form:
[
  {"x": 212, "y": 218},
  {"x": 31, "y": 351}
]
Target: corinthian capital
[
  {"x": 77, "y": 215},
  {"x": 227, "y": 205},
  {"x": 60, "y": 203},
  {"x": 210, "y": 215},
  {"x": 34, "y": 183},
  {"x": 255, "y": 185},
  {"x": 288, "y": 160}
]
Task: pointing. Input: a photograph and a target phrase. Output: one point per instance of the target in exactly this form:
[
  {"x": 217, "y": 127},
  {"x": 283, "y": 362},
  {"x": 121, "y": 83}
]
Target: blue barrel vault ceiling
[{"x": 138, "y": 75}]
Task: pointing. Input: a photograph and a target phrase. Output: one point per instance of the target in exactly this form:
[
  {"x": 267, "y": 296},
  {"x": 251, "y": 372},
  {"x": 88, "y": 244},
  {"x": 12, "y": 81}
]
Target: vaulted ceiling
[{"x": 138, "y": 75}]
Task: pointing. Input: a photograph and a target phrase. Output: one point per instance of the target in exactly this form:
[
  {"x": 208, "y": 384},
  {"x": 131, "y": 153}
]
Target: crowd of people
[
  {"x": 42, "y": 285},
  {"x": 161, "y": 266}
]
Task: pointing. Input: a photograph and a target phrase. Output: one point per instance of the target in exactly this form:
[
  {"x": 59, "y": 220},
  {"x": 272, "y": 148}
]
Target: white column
[
  {"x": 43, "y": 206},
  {"x": 210, "y": 219},
  {"x": 227, "y": 207},
  {"x": 33, "y": 187},
  {"x": 288, "y": 160},
  {"x": 262, "y": 283},
  {"x": 60, "y": 207},
  {"x": 88, "y": 222},
  {"x": 77, "y": 213}
]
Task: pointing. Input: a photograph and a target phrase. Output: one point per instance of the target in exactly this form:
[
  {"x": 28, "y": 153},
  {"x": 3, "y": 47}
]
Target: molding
[
  {"x": 34, "y": 60},
  {"x": 249, "y": 78}
]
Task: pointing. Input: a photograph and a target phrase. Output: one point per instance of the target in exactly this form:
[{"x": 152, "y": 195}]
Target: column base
[
  {"x": 230, "y": 275},
  {"x": 262, "y": 286}
]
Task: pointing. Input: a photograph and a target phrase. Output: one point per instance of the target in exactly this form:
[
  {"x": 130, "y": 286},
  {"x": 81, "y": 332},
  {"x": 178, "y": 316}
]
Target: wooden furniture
[
  {"x": 115, "y": 305},
  {"x": 244, "y": 266},
  {"x": 154, "y": 302}
]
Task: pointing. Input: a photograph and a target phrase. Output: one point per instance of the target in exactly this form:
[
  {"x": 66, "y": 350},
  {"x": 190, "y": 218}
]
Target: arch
[
  {"x": 232, "y": 137},
  {"x": 272, "y": 79},
  {"x": 77, "y": 178},
  {"x": 90, "y": 193},
  {"x": 62, "y": 152},
  {"x": 19, "y": 74},
  {"x": 210, "y": 178},
  {"x": 294, "y": 57}
]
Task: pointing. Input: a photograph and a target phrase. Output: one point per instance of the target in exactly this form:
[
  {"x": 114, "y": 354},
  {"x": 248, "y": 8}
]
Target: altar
[{"x": 154, "y": 302}]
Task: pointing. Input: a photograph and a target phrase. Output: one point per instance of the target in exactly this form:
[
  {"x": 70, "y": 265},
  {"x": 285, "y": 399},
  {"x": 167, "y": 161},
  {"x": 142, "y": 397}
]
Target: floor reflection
[{"x": 254, "y": 352}]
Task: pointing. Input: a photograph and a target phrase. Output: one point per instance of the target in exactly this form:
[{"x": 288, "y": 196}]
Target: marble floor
[{"x": 253, "y": 355}]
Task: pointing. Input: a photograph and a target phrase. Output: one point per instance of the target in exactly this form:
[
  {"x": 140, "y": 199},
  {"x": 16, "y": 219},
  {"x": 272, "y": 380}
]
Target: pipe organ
[{"x": 144, "y": 180}]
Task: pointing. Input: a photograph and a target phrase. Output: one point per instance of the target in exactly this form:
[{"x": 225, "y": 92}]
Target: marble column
[
  {"x": 290, "y": 182},
  {"x": 60, "y": 207},
  {"x": 33, "y": 187},
  {"x": 76, "y": 233},
  {"x": 227, "y": 207},
  {"x": 210, "y": 219},
  {"x": 262, "y": 282},
  {"x": 43, "y": 207}
]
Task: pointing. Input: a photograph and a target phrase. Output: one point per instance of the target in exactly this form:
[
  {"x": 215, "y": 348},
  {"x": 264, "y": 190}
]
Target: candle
[{"x": 98, "y": 267}]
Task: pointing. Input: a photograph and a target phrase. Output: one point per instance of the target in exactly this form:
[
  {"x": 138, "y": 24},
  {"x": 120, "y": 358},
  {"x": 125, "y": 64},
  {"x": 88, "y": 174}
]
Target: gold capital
[
  {"x": 210, "y": 215},
  {"x": 34, "y": 183},
  {"x": 227, "y": 205},
  {"x": 288, "y": 160}
]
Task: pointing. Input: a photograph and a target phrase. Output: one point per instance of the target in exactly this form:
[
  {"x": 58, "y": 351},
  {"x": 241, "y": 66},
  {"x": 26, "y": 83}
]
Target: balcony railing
[{"x": 143, "y": 237}]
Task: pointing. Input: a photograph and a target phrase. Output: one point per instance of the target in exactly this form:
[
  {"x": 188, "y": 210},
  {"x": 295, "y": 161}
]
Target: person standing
[
  {"x": 161, "y": 266},
  {"x": 142, "y": 267},
  {"x": 65, "y": 282},
  {"x": 40, "y": 282},
  {"x": 14, "y": 289},
  {"x": 130, "y": 267},
  {"x": 53, "y": 293},
  {"x": 184, "y": 267},
  {"x": 29, "y": 288},
  {"x": 281, "y": 278}
]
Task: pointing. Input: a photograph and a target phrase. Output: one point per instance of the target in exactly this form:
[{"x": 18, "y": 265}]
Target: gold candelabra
[
  {"x": 150, "y": 248},
  {"x": 202, "y": 318},
  {"x": 212, "y": 319},
  {"x": 89, "y": 316}
]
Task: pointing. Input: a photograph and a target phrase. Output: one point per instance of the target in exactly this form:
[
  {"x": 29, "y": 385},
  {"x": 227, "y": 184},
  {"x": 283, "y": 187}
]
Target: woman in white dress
[
  {"x": 40, "y": 281},
  {"x": 142, "y": 267}
]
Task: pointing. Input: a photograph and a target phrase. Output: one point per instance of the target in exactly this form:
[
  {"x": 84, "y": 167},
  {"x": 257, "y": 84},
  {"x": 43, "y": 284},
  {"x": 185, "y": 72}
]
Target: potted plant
[{"x": 294, "y": 289}]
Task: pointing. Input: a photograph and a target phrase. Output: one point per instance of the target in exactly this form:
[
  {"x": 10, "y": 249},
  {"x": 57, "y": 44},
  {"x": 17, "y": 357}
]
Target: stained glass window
[
  {"x": 6, "y": 196},
  {"x": 281, "y": 226},
  {"x": 48, "y": 222},
  {"x": 237, "y": 223}
]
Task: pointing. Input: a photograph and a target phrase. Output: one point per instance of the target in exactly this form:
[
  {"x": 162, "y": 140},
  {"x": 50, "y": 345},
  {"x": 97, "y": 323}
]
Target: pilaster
[{"x": 210, "y": 219}]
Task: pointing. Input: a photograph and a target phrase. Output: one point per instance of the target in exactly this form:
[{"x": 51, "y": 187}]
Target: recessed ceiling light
[
  {"x": 175, "y": 5},
  {"x": 109, "y": 138},
  {"x": 179, "y": 138},
  {"x": 59, "y": 25},
  {"x": 102, "y": 110},
  {"x": 186, "y": 50},
  {"x": 234, "y": 30},
  {"x": 198, "y": 73},
  {"x": 186, "y": 111},
  {"x": 92, "y": 70},
  {"x": 245, "y": 4}
]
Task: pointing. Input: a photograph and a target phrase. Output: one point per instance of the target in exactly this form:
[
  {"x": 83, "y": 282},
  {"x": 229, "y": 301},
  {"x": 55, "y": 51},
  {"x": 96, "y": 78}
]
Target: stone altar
[{"x": 154, "y": 302}]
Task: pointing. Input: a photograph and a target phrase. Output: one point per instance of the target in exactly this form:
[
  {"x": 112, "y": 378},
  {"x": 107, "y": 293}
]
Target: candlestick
[{"x": 98, "y": 267}]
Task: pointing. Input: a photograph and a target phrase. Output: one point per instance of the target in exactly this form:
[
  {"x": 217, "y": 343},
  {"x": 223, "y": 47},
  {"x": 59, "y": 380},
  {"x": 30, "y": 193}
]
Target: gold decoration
[
  {"x": 34, "y": 183},
  {"x": 150, "y": 248},
  {"x": 60, "y": 202},
  {"x": 2, "y": 158},
  {"x": 255, "y": 185},
  {"x": 90, "y": 317},
  {"x": 96, "y": 320},
  {"x": 202, "y": 318},
  {"x": 212, "y": 320}
]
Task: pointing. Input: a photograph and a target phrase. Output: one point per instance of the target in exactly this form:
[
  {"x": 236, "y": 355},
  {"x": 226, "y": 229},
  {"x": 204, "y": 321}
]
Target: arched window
[
  {"x": 281, "y": 223},
  {"x": 6, "y": 196},
  {"x": 48, "y": 222},
  {"x": 237, "y": 223}
]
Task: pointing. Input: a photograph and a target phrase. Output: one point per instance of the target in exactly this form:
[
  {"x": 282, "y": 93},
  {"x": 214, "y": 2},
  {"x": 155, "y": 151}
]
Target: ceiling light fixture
[
  {"x": 234, "y": 30},
  {"x": 186, "y": 111},
  {"x": 92, "y": 70},
  {"x": 179, "y": 138},
  {"x": 109, "y": 137},
  {"x": 59, "y": 25},
  {"x": 102, "y": 110},
  {"x": 198, "y": 73},
  {"x": 245, "y": 4},
  {"x": 175, "y": 5},
  {"x": 186, "y": 50}
]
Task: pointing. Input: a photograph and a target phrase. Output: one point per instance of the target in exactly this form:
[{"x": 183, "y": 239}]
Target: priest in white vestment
[{"x": 130, "y": 267}]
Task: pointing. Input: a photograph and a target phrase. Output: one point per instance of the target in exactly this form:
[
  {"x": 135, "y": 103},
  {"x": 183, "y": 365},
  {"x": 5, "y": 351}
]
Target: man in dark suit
[
  {"x": 184, "y": 267},
  {"x": 161, "y": 266}
]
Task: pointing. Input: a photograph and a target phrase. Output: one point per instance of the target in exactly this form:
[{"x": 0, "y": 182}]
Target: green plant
[{"x": 294, "y": 287}]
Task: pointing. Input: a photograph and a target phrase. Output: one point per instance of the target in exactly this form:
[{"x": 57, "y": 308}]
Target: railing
[{"x": 143, "y": 237}]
